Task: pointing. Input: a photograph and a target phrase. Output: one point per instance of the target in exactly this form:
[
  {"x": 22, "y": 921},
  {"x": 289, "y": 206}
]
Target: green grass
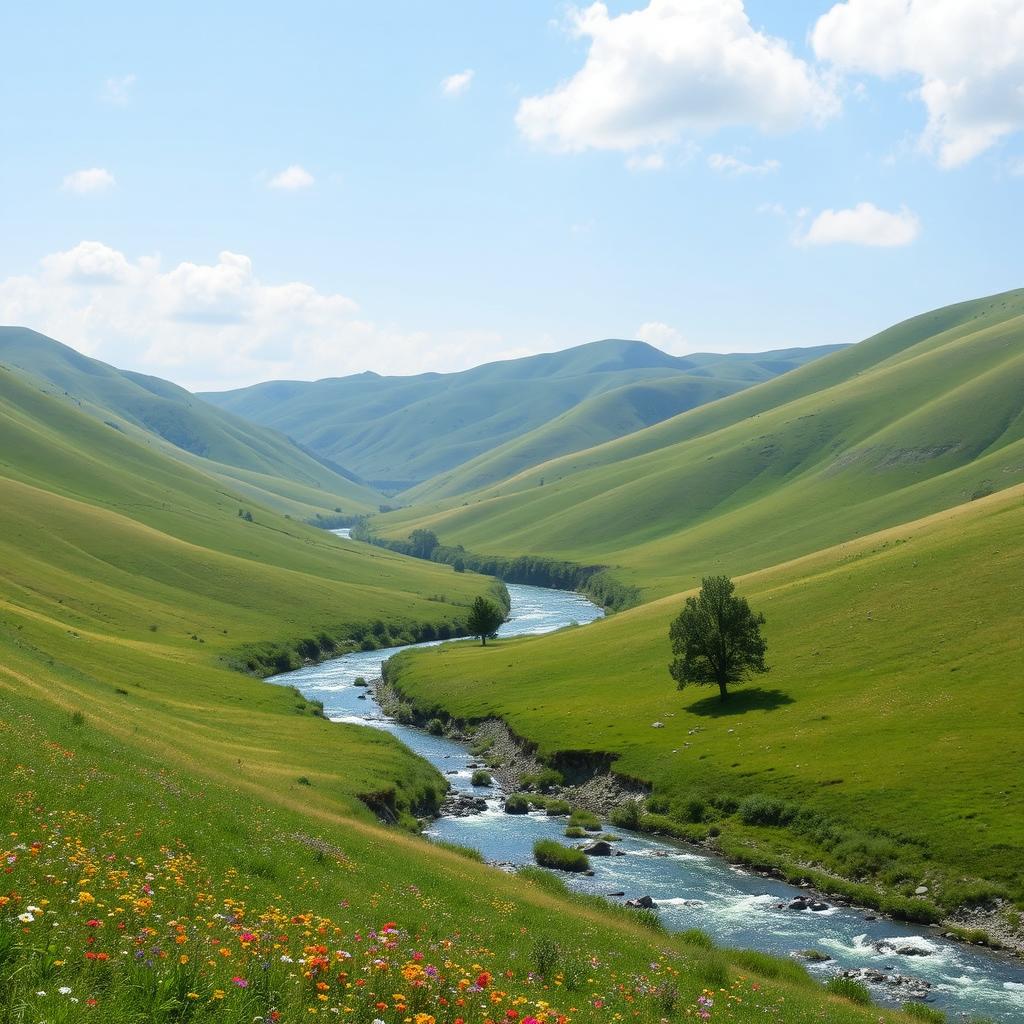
[
  {"x": 259, "y": 464},
  {"x": 924, "y": 416},
  {"x": 401, "y": 431},
  {"x": 892, "y": 659},
  {"x": 551, "y": 854}
]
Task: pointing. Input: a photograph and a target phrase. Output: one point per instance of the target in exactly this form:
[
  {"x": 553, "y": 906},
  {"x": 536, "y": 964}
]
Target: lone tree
[
  {"x": 484, "y": 619},
  {"x": 716, "y": 638},
  {"x": 422, "y": 543}
]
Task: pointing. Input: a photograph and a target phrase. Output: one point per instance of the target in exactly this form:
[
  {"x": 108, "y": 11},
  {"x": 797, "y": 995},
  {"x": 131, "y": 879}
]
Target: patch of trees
[{"x": 593, "y": 580}]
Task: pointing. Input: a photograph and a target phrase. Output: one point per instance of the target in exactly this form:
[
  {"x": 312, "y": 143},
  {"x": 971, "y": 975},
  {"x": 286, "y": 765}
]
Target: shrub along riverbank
[{"x": 596, "y": 581}]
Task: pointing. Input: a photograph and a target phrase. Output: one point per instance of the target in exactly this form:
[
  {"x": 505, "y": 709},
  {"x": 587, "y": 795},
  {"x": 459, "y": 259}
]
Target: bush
[
  {"x": 922, "y": 1012},
  {"x": 691, "y": 810},
  {"x": 695, "y": 937},
  {"x": 627, "y": 815},
  {"x": 759, "y": 809},
  {"x": 585, "y": 820},
  {"x": 545, "y": 956},
  {"x": 543, "y": 781},
  {"x": 557, "y": 808},
  {"x": 435, "y": 727},
  {"x": 550, "y": 854},
  {"x": 657, "y": 803},
  {"x": 77, "y": 718},
  {"x": 517, "y": 803},
  {"x": 849, "y": 989},
  {"x": 575, "y": 832},
  {"x": 404, "y": 714},
  {"x": 482, "y": 777},
  {"x": 302, "y": 780}
]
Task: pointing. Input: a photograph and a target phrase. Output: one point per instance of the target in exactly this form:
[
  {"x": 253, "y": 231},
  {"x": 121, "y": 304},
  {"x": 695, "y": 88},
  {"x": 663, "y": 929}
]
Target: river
[{"x": 692, "y": 889}]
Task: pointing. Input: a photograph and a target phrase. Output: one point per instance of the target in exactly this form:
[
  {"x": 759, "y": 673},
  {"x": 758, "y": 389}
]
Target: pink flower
[{"x": 240, "y": 982}]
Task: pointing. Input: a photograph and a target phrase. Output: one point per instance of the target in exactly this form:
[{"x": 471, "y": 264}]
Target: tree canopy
[
  {"x": 716, "y": 638},
  {"x": 484, "y": 619}
]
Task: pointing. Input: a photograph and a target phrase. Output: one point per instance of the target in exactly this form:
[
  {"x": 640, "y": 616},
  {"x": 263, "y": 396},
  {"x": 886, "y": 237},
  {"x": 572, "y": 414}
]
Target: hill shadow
[{"x": 739, "y": 702}]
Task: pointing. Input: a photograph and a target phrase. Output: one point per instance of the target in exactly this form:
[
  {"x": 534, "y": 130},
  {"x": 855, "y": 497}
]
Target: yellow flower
[
  {"x": 218, "y": 993},
  {"x": 191, "y": 995},
  {"x": 85, "y": 897},
  {"x": 183, "y": 959}
]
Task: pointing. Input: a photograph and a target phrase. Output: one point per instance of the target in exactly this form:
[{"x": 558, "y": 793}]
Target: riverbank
[{"x": 597, "y": 786}]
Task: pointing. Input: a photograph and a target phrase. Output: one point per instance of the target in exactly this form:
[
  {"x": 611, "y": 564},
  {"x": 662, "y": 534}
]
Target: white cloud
[
  {"x": 648, "y": 162},
  {"x": 92, "y": 179},
  {"x": 118, "y": 90},
  {"x": 968, "y": 56},
  {"x": 674, "y": 68},
  {"x": 457, "y": 84},
  {"x": 662, "y": 336},
  {"x": 864, "y": 224},
  {"x": 217, "y": 324},
  {"x": 291, "y": 178},
  {"x": 736, "y": 167}
]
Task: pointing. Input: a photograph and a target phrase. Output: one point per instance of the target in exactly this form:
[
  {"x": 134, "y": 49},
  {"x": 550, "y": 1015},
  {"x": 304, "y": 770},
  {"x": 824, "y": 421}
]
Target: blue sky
[{"x": 596, "y": 176}]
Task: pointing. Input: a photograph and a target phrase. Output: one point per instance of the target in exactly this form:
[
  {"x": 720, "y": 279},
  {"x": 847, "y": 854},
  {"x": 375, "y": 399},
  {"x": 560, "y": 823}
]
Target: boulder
[
  {"x": 641, "y": 903},
  {"x": 598, "y": 849},
  {"x": 798, "y": 904}
]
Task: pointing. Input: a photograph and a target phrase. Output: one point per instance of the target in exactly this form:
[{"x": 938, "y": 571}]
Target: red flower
[{"x": 483, "y": 979}]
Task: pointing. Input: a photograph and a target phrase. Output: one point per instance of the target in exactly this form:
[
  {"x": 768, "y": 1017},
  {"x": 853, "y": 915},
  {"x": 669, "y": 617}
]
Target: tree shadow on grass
[{"x": 739, "y": 702}]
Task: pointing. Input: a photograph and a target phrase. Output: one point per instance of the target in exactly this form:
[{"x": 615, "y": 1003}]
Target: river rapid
[{"x": 691, "y": 889}]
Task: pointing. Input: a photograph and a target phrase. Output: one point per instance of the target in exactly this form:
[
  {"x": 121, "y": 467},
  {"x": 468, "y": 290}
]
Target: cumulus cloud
[
  {"x": 291, "y": 179},
  {"x": 457, "y": 84},
  {"x": 863, "y": 224},
  {"x": 92, "y": 179},
  {"x": 967, "y": 56},
  {"x": 735, "y": 167},
  {"x": 212, "y": 325},
  {"x": 662, "y": 336},
  {"x": 118, "y": 91},
  {"x": 671, "y": 69}
]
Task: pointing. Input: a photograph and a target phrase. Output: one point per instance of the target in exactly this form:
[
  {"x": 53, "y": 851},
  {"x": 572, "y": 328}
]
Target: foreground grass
[
  {"x": 152, "y": 888},
  {"x": 885, "y": 745}
]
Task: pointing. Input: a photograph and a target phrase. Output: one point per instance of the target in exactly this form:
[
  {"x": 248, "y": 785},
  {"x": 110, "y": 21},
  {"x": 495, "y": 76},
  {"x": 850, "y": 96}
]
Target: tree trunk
[{"x": 723, "y": 693}]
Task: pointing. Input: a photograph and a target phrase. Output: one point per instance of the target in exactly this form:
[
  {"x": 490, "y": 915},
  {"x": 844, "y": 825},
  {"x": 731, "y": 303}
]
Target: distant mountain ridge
[
  {"x": 257, "y": 461},
  {"x": 401, "y": 432}
]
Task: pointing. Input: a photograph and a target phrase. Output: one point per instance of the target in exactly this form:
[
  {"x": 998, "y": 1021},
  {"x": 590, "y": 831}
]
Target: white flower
[
  {"x": 40, "y": 993},
  {"x": 33, "y": 910},
  {"x": 26, "y": 918},
  {"x": 285, "y": 959},
  {"x": 64, "y": 990}
]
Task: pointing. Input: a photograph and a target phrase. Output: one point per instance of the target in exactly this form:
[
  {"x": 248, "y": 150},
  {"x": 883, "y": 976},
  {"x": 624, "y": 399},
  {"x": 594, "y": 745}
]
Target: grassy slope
[
  {"x": 915, "y": 419},
  {"x": 896, "y": 662},
  {"x": 408, "y": 429},
  {"x": 595, "y": 420},
  {"x": 93, "y": 520},
  {"x": 189, "y": 802},
  {"x": 255, "y": 461}
]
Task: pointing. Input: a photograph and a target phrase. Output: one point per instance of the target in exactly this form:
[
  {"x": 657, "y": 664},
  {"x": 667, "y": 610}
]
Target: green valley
[{"x": 400, "y": 432}]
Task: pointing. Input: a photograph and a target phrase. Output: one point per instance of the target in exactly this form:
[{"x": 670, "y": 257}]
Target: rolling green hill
[
  {"x": 255, "y": 461},
  {"x": 918, "y": 418},
  {"x": 152, "y": 800},
  {"x": 401, "y": 431},
  {"x": 886, "y": 741},
  {"x": 92, "y": 521}
]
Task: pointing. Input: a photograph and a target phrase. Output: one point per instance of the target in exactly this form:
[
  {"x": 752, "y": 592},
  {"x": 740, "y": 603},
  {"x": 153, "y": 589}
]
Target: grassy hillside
[
  {"x": 887, "y": 738},
  {"x": 918, "y": 418},
  {"x": 187, "y": 843},
  {"x": 595, "y": 420},
  {"x": 400, "y": 431},
  {"x": 256, "y": 461},
  {"x": 93, "y": 521}
]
